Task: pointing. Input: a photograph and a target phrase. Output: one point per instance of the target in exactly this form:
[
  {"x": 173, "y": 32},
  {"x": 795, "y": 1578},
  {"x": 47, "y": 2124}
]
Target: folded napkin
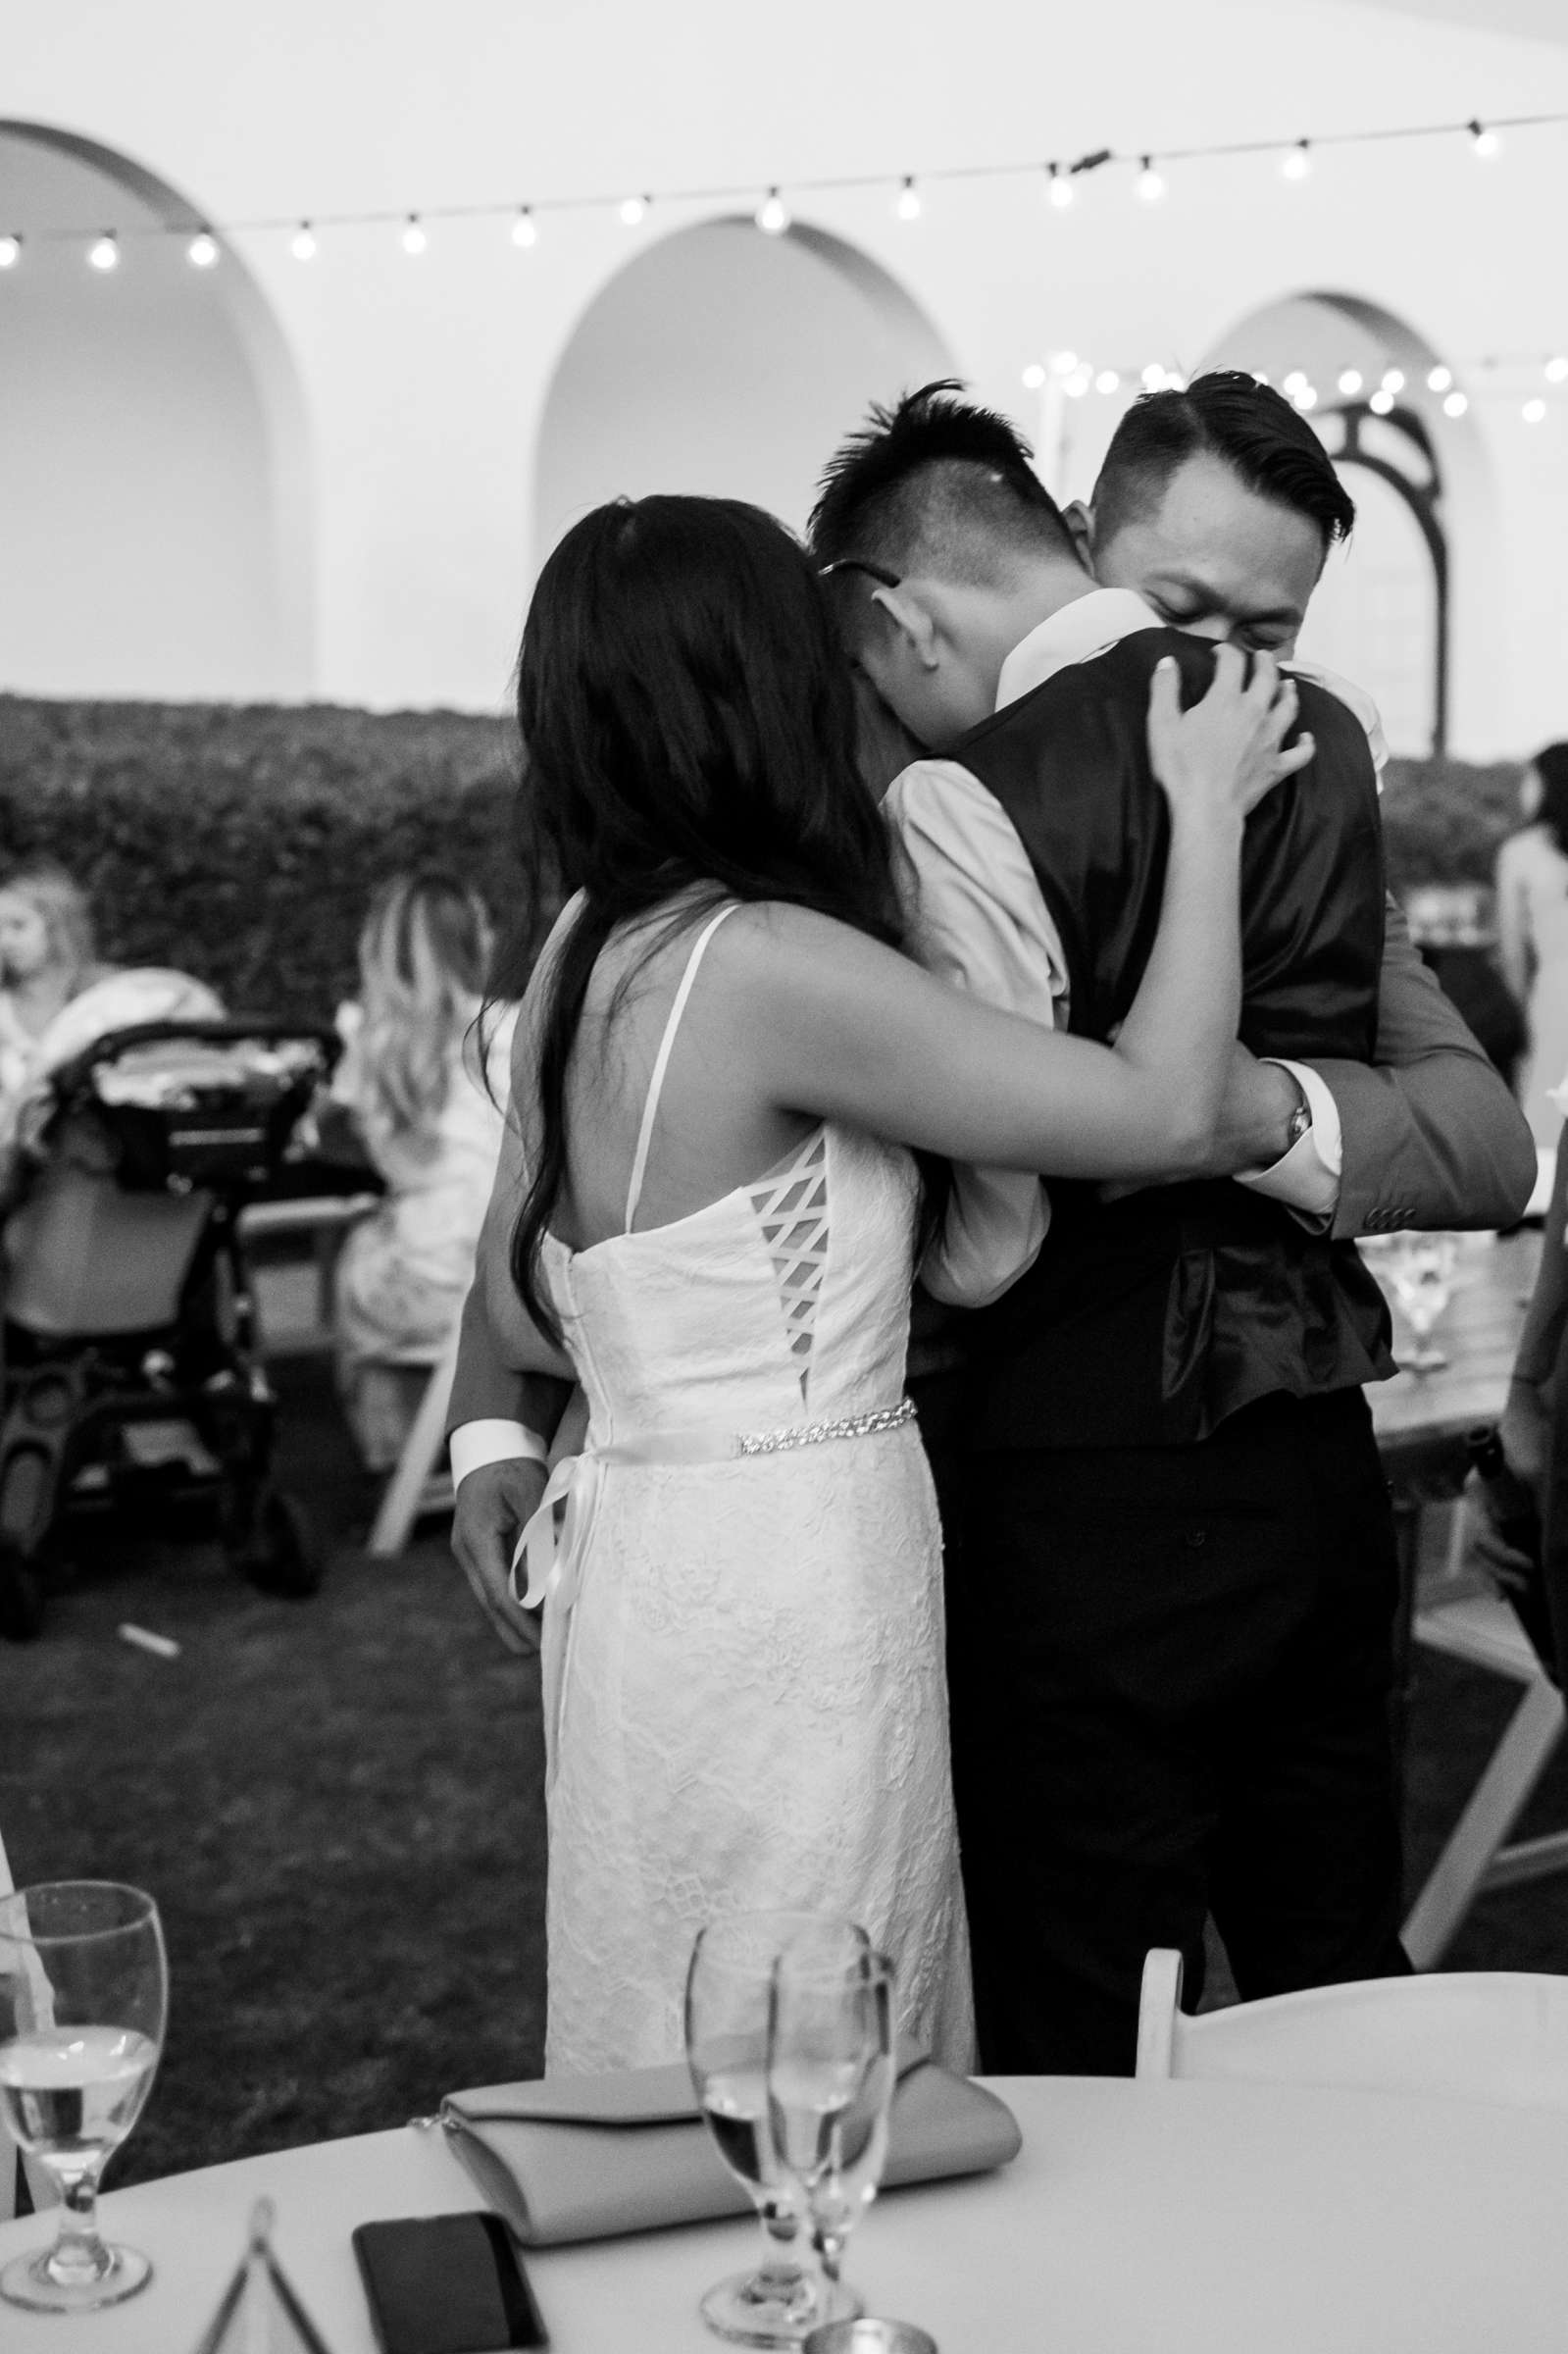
[{"x": 587, "y": 2157}]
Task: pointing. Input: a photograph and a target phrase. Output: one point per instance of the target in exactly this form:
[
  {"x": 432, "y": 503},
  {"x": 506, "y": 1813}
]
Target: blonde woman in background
[
  {"x": 57, "y": 997},
  {"x": 412, "y": 1082}
]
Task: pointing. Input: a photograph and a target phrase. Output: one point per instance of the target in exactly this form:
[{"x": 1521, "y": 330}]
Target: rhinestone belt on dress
[{"x": 814, "y": 1434}]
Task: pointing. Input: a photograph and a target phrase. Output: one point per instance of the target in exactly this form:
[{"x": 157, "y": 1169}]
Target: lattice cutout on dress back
[{"x": 792, "y": 1211}]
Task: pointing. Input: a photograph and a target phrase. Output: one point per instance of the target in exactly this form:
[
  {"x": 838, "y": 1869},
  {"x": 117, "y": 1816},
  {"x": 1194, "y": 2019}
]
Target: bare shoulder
[{"x": 771, "y": 944}]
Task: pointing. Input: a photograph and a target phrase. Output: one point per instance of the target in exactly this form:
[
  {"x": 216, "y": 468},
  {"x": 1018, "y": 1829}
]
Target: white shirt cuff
[
  {"x": 473, "y": 1445},
  {"x": 1306, "y": 1179}
]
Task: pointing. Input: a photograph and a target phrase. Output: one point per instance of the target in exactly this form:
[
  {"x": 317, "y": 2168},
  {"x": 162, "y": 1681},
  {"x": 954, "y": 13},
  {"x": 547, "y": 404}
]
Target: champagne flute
[
  {"x": 84, "y": 1996},
  {"x": 729, "y": 1996},
  {"x": 832, "y": 2069},
  {"x": 1419, "y": 1269}
]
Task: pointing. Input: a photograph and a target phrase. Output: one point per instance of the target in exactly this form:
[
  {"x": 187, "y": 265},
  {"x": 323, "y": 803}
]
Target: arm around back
[{"x": 1431, "y": 1136}]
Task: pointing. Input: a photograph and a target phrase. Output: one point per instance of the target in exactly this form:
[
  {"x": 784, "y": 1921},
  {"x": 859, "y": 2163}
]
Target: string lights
[
  {"x": 1294, "y": 159},
  {"x": 1070, "y": 374}
]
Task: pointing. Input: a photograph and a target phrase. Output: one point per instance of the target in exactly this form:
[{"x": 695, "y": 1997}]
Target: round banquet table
[{"x": 1140, "y": 2218}]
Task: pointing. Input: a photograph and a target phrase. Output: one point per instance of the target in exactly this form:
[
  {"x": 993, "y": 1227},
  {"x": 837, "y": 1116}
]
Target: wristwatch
[{"x": 1300, "y": 1116}]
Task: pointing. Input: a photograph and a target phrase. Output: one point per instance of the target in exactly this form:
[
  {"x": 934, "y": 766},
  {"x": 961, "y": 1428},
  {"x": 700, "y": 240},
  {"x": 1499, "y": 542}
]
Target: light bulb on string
[
  {"x": 1307, "y": 397},
  {"x": 414, "y": 241},
  {"x": 633, "y": 211},
  {"x": 203, "y": 250},
  {"x": 1260, "y": 376},
  {"x": 525, "y": 230},
  {"x": 10, "y": 252},
  {"x": 1034, "y": 376},
  {"x": 1064, "y": 363},
  {"x": 1381, "y": 402},
  {"x": 1350, "y": 381},
  {"x": 104, "y": 253},
  {"x": 1392, "y": 380},
  {"x": 1153, "y": 377},
  {"x": 1059, "y": 191},
  {"x": 1174, "y": 381},
  {"x": 908, "y": 206},
  {"x": 1534, "y": 410},
  {"x": 1439, "y": 379},
  {"x": 1454, "y": 405},
  {"x": 773, "y": 215},
  {"x": 1150, "y": 184},
  {"x": 1107, "y": 380},
  {"x": 302, "y": 244},
  {"x": 1296, "y": 160},
  {"x": 1484, "y": 143},
  {"x": 1557, "y": 369},
  {"x": 1077, "y": 384},
  {"x": 1296, "y": 381}
]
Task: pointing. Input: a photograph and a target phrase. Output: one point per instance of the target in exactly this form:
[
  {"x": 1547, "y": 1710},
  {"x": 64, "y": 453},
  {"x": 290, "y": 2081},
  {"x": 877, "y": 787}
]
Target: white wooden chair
[
  {"x": 1481, "y": 1630},
  {"x": 1495, "y": 2035},
  {"x": 409, "y": 1490},
  {"x": 12, "y": 2165}
]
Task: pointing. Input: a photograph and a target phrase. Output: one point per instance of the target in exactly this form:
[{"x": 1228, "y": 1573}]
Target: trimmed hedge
[{"x": 242, "y": 843}]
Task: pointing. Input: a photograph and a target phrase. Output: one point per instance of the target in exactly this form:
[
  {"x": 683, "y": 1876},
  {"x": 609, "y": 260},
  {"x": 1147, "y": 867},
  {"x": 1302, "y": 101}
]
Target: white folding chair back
[
  {"x": 12, "y": 2163},
  {"x": 1494, "y": 2035}
]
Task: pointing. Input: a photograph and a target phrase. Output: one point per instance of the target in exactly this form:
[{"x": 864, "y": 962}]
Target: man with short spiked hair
[{"x": 1173, "y": 1585}]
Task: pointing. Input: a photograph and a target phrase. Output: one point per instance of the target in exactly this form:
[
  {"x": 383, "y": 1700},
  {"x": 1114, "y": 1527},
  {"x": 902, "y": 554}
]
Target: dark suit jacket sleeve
[
  {"x": 489, "y": 1384},
  {"x": 1431, "y": 1136}
]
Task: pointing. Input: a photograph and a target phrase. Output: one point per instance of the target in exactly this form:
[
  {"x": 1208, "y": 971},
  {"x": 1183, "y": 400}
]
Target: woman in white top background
[
  {"x": 412, "y": 1084},
  {"x": 1533, "y": 933}
]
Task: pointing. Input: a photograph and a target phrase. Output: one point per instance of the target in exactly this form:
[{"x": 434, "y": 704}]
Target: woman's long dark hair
[
  {"x": 1551, "y": 767},
  {"x": 688, "y": 728}
]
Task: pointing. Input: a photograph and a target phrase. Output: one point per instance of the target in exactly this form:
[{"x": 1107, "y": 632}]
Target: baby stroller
[{"x": 132, "y": 1374}]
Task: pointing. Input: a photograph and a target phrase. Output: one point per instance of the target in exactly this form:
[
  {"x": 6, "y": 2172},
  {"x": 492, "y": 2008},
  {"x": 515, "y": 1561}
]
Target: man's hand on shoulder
[{"x": 494, "y": 1505}]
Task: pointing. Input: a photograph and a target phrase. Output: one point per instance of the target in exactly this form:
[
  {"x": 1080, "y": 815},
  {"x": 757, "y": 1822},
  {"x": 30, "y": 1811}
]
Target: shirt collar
[{"x": 1071, "y": 634}]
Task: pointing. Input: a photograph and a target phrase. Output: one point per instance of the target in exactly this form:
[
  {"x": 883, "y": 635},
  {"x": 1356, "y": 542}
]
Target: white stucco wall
[{"x": 423, "y": 382}]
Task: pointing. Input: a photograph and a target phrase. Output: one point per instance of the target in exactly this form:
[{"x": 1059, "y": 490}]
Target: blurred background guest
[
  {"x": 1533, "y": 933},
  {"x": 1453, "y": 927},
  {"x": 56, "y": 996},
  {"x": 413, "y": 1082}
]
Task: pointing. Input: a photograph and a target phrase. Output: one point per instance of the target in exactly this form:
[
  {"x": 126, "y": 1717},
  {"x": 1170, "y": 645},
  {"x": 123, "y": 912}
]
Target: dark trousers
[{"x": 1169, "y": 1679}]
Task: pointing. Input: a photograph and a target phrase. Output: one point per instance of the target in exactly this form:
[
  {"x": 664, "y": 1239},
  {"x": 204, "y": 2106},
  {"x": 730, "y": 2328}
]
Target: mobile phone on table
[{"x": 447, "y": 2284}]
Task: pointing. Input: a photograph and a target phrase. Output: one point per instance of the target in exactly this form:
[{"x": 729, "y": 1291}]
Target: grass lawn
[{"x": 339, "y": 1806}]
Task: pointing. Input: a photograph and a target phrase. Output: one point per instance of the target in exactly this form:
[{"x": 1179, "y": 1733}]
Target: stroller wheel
[
  {"x": 21, "y": 1596},
  {"x": 278, "y": 1553}
]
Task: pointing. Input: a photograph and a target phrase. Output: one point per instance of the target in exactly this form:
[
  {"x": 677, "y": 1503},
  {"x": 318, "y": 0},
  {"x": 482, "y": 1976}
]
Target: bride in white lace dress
[{"x": 708, "y": 1215}]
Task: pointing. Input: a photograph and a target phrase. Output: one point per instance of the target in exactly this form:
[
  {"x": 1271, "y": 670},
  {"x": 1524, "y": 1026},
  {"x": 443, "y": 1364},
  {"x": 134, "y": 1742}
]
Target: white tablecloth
[{"x": 1140, "y": 2218}]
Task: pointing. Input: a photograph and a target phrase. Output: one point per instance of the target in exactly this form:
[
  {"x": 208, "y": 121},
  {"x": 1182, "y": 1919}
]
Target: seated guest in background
[
  {"x": 1533, "y": 933},
  {"x": 57, "y": 997},
  {"x": 1460, "y": 952},
  {"x": 412, "y": 1083}
]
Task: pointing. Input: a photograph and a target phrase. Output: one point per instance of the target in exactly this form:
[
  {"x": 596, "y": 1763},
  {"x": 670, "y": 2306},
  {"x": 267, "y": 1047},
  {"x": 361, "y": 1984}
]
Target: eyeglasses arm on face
[{"x": 874, "y": 572}]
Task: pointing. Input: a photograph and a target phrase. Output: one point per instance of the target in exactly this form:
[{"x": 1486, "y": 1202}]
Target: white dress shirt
[{"x": 983, "y": 925}]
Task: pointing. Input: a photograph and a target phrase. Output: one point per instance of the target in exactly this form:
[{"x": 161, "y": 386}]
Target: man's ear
[
  {"x": 1079, "y": 518},
  {"x": 911, "y": 624}
]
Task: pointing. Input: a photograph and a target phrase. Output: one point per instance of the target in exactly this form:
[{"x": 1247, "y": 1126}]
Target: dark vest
[{"x": 1146, "y": 1322}]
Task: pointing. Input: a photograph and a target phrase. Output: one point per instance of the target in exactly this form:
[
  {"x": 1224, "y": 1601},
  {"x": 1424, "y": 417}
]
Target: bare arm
[
  {"x": 841, "y": 1027},
  {"x": 1513, "y": 921}
]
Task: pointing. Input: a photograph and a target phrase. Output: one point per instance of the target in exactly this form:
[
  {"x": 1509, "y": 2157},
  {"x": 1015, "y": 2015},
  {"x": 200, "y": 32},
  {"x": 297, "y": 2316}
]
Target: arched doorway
[
  {"x": 153, "y": 474},
  {"x": 728, "y": 362},
  {"x": 1384, "y": 613}
]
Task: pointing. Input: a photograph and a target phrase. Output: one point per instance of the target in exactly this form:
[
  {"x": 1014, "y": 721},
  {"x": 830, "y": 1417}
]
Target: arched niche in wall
[
  {"x": 1387, "y": 611},
  {"x": 726, "y": 362},
  {"x": 154, "y": 493}
]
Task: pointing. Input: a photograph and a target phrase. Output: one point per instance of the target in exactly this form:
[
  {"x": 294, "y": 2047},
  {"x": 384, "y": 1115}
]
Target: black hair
[
  {"x": 688, "y": 728},
  {"x": 937, "y": 483},
  {"x": 1551, "y": 767},
  {"x": 1228, "y": 415}
]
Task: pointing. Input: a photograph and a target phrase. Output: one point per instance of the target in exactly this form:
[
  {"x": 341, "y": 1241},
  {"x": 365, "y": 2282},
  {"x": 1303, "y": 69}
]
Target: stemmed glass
[
  {"x": 832, "y": 2069},
  {"x": 83, "y": 1997},
  {"x": 729, "y": 2001},
  {"x": 1419, "y": 1271}
]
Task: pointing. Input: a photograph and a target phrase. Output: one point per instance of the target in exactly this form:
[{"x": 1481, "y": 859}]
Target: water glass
[
  {"x": 84, "y": 1999},
  {"x": 729, "y": 2000},
  {"x": 832, "y": 2070},
  {"x": 1418, "y": 1268}
]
